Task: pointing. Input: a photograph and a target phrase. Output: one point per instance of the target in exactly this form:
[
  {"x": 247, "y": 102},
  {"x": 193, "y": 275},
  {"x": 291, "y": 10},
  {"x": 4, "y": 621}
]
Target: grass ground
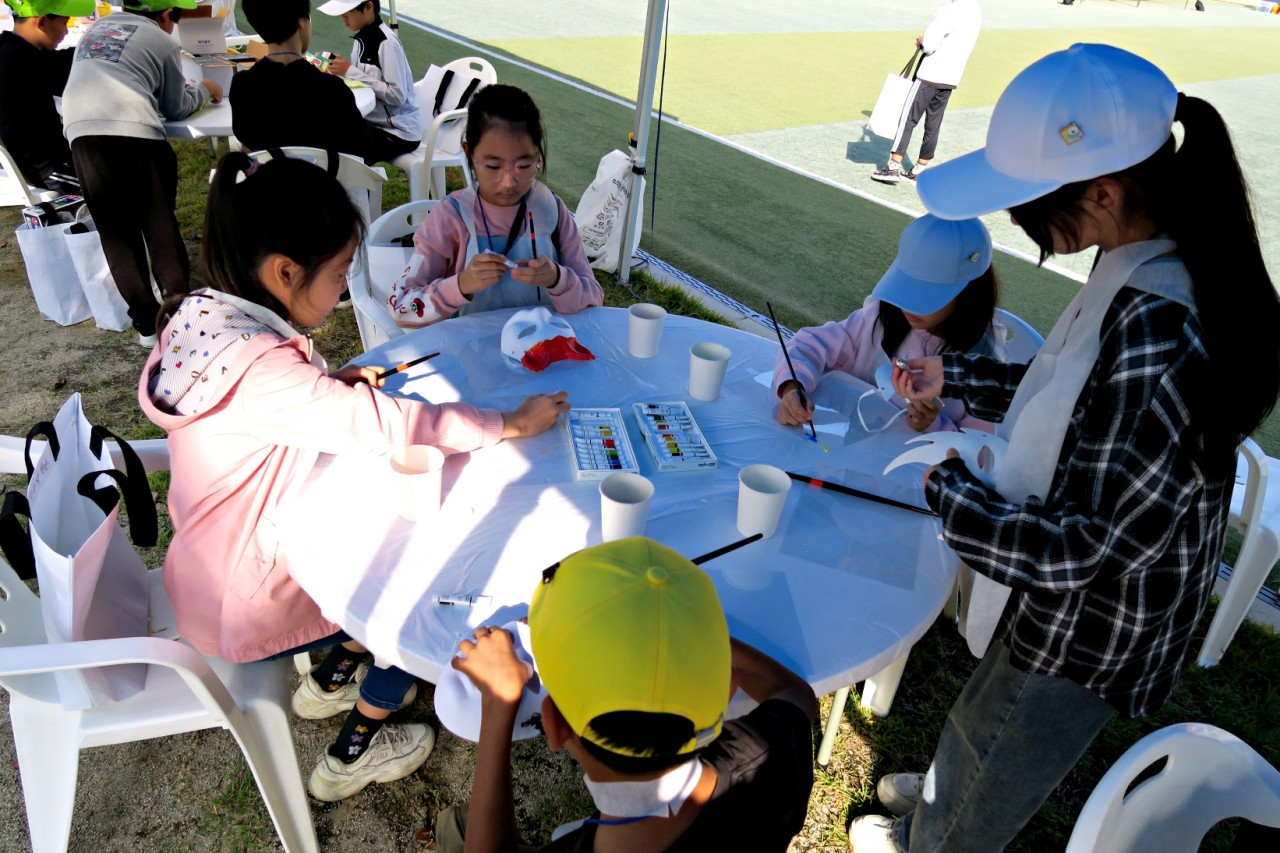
[{"x": 194, "y": 793}]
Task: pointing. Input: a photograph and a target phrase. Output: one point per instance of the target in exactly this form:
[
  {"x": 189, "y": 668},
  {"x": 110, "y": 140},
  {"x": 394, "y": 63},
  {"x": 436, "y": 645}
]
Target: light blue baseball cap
[{"x": 936, "y": 259}]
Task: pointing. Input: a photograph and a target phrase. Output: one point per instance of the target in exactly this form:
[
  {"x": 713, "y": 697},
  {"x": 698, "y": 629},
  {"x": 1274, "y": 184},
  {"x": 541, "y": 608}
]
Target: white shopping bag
[
  {"x": 110, "y": 311},
  {"x": 93, "y": 585},
  {"x": 895, "y": 99},
  {"x": 52, "y": 274},
  {"x": 603, "y": 209}
]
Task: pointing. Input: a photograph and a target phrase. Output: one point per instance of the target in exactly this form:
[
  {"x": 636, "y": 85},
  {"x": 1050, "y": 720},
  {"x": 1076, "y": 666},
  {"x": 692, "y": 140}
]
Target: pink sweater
[
  {"x": 440, "y": 249},
  {"x": 237, "y": 442},
  {"x": 853, "y": 346}
]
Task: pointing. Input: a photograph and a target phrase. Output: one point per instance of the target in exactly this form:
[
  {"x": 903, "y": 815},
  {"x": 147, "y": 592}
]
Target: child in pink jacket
[
  {"x": 939, "y": 295},
  {"x": 248, "y": 405},
  {"x": 509, "y": 241}
]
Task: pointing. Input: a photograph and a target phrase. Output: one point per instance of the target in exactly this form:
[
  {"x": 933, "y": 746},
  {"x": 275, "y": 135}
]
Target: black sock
[
  {"x": 355, "y": 736},
  {"x": 337, "y": 668}
]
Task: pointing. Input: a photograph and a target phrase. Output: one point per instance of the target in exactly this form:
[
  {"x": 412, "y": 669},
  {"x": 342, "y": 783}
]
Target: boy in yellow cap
[
  {"x": 35, "y": 72},
  {"x": 635, "y": 656}
]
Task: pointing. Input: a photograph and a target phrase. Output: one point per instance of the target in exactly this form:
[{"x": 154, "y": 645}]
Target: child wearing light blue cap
[{"x": 939, "y": 295}]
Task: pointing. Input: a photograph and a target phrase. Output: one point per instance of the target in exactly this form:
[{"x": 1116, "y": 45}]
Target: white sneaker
[
  {"x": 873, "y": 833},
  {"x": 394, "y": 753},
  {"x": 312, "y": 703},
  {"x": 147, "y": 341},
  {"x": 899, "y": 792}
]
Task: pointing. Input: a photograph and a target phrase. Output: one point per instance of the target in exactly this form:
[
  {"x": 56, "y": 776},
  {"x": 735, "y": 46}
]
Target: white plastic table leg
[
  {"x": 878, "y": 690},
  {"x": 833, "y": 725}
]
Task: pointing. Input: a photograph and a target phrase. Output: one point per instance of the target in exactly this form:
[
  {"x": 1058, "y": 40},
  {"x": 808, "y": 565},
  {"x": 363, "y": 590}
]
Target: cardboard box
[
  {"x": 217, "y": 69},
  {"x": 60, "y": 209},
  {"x": 201, "y": 33}
]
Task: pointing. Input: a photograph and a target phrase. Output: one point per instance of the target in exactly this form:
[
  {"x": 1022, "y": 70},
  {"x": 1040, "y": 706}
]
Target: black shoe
[{"x": 887, "y": 175}]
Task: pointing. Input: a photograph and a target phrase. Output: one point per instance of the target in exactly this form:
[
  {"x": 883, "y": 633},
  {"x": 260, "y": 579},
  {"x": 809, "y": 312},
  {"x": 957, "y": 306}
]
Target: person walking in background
[
  {"x": 34, "y": 72},
  {"x": 126, "y": 79},
  {"x": 947, "y": 43}
]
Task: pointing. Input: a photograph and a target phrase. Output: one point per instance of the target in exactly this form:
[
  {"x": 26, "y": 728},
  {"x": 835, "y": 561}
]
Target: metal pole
[
  {"x": 392, "y": 20},
  {"x": 644, "y": 109}
]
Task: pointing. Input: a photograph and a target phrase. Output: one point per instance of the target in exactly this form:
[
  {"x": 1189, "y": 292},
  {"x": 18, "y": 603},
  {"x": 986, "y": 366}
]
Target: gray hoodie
[{"x": 126, "y": 75}]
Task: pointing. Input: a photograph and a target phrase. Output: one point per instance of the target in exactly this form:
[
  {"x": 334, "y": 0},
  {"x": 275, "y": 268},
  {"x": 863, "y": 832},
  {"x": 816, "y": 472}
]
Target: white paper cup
[
  {"x": 762, "y": 490},
  {"x": 624, "y": 505},
  {"x": 707, "y": 364},
  {"x": 646, "y": 329},
  {"x": 418, "y": 469}
]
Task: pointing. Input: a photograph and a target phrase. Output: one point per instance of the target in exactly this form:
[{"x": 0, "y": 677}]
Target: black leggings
[{"x": 131, "y": 188}]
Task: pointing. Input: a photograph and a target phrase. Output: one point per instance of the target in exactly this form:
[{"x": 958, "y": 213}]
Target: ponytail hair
[
  {"x": 285, "y": 206},
  {"x": 1196, "y": 193}
]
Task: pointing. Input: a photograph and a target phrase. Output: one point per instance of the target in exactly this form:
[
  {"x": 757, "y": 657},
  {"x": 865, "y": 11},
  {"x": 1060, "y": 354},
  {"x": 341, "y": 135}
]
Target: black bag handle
[
  {"x": 916, "y": 59},
  {"x": 441, "y": 91},
  {"x": 15, "y": 541},
  {"x": 138, "y": 502},
  {"x": 44, "y": 430}
]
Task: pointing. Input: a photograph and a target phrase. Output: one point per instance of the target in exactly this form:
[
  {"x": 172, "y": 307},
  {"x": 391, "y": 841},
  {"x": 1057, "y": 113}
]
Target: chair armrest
[
  {"x": 154, "y": 453},
  {"x": 86, "y": 654}
]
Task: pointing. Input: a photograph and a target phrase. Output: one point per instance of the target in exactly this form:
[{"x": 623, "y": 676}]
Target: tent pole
[
  {"x": 644, "y": 109},
  {"x": 392, "y": 20}
]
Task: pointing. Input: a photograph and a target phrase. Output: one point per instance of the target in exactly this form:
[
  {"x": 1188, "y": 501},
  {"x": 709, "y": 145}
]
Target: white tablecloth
[{"x": 850, "y": 585}]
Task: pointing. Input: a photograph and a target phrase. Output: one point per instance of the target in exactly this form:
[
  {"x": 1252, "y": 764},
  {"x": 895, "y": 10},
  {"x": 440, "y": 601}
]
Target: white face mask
[
  {"x": 661, "y": 797},
  {"x": 527, "y": 329},
  {"x": 883, "y": 389}
]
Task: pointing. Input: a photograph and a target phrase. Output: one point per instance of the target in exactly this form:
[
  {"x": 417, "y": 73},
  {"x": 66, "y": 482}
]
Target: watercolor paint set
[
  {"x": 600, "y": 445},
  {"x": 673, "y": 437}
]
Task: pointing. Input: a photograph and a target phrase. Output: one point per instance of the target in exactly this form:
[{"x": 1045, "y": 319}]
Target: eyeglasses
[{"x": 494, "y": 172}]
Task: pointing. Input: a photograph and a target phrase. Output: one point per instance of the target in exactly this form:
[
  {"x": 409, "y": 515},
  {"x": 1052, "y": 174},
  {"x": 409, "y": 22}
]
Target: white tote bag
[
  {"x": 110, "y": 311},
  {"x": 895, "y": 99},
  {"x": 603, "y": 209},
  {"x": 52, "y": 274},
  {"x": 93, "y": 585}
]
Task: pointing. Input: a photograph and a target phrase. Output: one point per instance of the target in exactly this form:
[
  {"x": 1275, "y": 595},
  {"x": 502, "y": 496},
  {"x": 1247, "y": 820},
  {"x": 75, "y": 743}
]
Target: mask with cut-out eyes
[{"x": 534, "y": 338}]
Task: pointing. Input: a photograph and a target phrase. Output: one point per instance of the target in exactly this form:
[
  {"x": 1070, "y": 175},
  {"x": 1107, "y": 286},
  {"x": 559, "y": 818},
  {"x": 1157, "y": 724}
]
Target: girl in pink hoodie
[
  {"x": 939, "y": 295},
  {"x": 509, "y": 241},
  {"x": 248, "y": 405}
]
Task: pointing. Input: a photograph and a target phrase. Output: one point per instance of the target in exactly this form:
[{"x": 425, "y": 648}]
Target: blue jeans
[
  {"x": 382, "y": 688},
  {"x": 1010, "y": 738}
]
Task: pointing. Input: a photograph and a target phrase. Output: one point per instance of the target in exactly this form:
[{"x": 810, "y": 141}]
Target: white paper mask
[
  {"x": 528, "y": 329},
  {"x": 981, "y": 451}
]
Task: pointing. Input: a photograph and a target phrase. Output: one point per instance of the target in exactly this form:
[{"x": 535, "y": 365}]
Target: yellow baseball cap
[
  {"x": 36, "y": 8},
  {"x": 632, "y": 626}
]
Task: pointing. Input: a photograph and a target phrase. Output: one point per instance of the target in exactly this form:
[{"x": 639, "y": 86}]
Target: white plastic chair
[
  {"x": 184, "y": 692},
  {"x": 443, "y": 143},
  {"x": 32, "y": 195},
  {"x": 1208, "y": 775},
  {"x": 1021, "y": 341},
  {"x": 1255, "y": 512},
  {"x": 363, "y": 183},
  {"x": 383, "y": 264}
]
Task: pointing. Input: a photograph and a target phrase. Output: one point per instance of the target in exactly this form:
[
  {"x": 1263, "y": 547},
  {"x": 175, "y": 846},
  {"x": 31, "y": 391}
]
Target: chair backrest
[
  {"x": 1207, "y": 775},
  {"x": 1021, "y": 341},
  {"x": 33, "y": 195},
  {"x": 384, "y": 263},
  {"x": 460, "y": 73}
]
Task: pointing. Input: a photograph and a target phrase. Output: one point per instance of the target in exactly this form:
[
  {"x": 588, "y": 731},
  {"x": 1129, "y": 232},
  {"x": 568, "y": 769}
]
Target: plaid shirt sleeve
[
  {"x": 1115, "y": 565},
  {"x": 985, "y": 384}
]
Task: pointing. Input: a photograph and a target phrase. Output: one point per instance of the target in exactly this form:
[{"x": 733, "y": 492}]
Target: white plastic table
[
  {"x": 215, "y": 119},
  {"x": 850, "y": 585}
]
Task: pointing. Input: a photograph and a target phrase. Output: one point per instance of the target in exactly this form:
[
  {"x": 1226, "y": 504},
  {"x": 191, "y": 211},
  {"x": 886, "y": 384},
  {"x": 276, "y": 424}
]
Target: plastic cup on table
[
  {"x": 418, "y": 470},
  {"x": 707, "y": 365},
  {"x": 624, "y": 506},
  {"x": 646, "y": 329},
  {"x": 762, "y": 491}
]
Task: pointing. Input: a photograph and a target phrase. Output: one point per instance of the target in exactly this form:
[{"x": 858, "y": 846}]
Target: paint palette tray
[
  {"x": 598, "y": 439},
  {"x": 673, "y": 437}
]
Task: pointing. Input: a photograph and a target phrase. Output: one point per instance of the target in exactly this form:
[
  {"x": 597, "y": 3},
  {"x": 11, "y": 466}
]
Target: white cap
[
  {"x": 1078, "y": 114},
  {"x": 936, "y": 259},
  {"x": 340, "y": 7}
]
